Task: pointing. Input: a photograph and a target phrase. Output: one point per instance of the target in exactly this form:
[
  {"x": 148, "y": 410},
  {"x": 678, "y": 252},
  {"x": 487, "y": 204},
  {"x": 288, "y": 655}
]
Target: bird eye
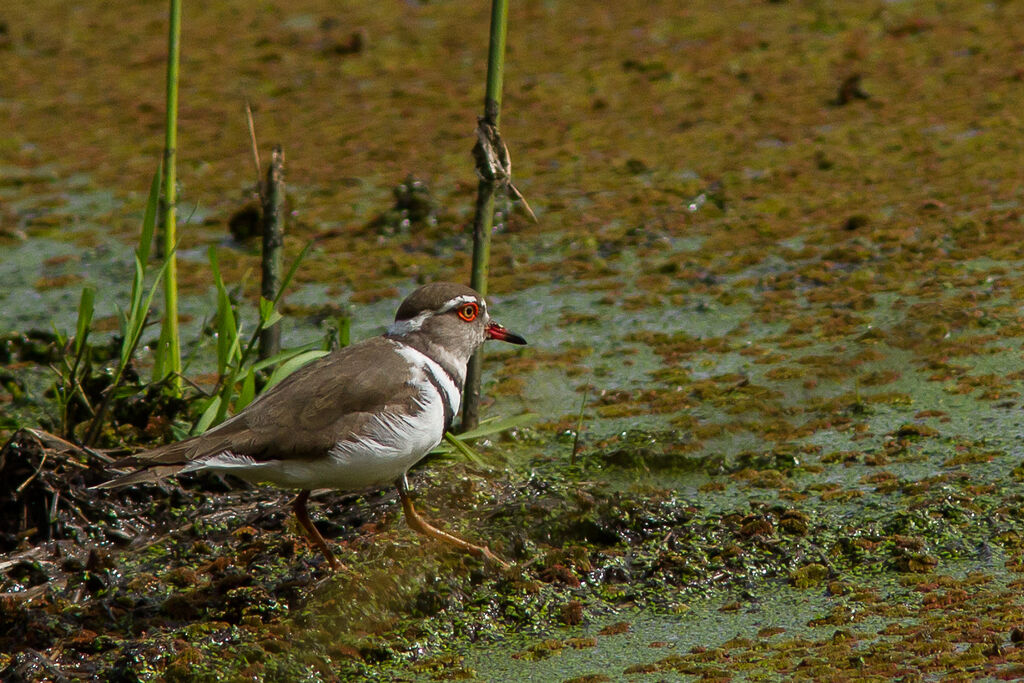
[{"x": 469, "y": 312}]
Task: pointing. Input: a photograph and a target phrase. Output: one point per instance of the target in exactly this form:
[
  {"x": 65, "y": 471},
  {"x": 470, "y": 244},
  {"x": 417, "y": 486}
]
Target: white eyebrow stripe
[
  {"x": 456, "y": 302},
  {"x": 459, "y": 300},
  {"x": 400, "y": 327}
]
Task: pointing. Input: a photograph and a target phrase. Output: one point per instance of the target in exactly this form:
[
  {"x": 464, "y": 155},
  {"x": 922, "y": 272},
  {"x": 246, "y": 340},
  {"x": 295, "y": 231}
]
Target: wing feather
[{"x": 302, "y": 417}]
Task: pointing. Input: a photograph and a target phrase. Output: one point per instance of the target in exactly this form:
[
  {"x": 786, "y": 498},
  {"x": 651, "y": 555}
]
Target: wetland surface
[{"x": 777, "y": 263}]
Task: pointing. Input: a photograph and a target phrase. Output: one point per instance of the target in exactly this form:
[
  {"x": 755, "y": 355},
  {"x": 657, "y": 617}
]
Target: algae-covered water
[{"x": 772, "y": 299}]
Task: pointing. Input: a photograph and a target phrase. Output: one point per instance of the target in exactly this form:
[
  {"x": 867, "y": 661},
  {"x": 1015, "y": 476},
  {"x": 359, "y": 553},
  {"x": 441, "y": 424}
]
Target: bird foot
[{"x": 421, "y": 525}]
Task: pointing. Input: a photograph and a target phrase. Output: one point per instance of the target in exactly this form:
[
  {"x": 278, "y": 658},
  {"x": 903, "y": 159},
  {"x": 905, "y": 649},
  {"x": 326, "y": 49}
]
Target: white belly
[{"x": 349, "y": 466}]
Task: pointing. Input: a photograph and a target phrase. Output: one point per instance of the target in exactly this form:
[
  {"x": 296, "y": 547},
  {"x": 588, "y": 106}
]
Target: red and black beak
[{"x": 496, "y": 331}]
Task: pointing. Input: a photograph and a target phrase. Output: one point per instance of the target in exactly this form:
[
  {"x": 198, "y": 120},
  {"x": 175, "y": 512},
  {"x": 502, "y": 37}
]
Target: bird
[{"x": 356, "y": 418}]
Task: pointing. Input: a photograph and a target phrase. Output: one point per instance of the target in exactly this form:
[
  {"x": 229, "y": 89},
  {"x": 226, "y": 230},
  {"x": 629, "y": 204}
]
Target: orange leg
[
  {"x": 420, "y": 525},
  {"x": 303, "y": 516}
]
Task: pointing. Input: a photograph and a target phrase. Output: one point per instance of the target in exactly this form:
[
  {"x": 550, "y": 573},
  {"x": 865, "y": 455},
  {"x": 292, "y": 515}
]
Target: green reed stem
[
  {"x": 170, "y": 340},
  {"x": 483, "y": 220}
]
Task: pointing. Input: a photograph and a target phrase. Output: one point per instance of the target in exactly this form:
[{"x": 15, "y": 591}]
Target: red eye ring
[{"x": 469, "y": 312}]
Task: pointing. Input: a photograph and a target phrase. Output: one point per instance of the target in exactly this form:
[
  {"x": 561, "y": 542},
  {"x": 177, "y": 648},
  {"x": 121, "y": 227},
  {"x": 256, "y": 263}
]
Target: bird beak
[{"x": 496, "y": 331}]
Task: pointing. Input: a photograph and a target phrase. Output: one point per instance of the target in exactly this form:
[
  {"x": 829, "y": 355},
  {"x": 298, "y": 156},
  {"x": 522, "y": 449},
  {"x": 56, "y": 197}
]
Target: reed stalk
[
  {"x": 170, "y": 340},
  {"x": 273, "y": 244},
  {"x": 483, "y": 220}
]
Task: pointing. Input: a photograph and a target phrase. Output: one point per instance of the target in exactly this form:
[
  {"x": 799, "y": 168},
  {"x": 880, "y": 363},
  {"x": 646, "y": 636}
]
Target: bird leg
[
  {"x": 420, "y": 525},
  {"x": 303, "y": 516}
]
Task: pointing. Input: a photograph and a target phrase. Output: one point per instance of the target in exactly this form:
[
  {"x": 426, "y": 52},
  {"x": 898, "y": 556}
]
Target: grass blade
[
  {"x": 86, "y": 308},
  {"x": 291, "y": 272},
  {"x": 248, "y": 392},
  {"x": 149, "y": 218},
  {"x": 285, "y": 355},
  {"x": 227, "y": 328},
  {"x": 268, "y": 316},
  {"x": 291, "y": 365},
  {"x": 457, "y": 444},
  {"x": 496, "y": 425},
  {"x": 134, "y": 324},
  {"x": 463, "y": 448},
  {"x": 208, "y": 416}
]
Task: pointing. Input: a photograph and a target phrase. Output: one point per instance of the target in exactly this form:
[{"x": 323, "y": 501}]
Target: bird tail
[
  {"x": 148, "y": 475},
  {"x": 165, "y": 461},
  {"x": 151, "y": 466}
]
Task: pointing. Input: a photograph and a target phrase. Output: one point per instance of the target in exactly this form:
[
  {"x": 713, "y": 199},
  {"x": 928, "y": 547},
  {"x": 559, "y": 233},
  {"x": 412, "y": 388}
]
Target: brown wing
[{"x": 301, "y": 417}]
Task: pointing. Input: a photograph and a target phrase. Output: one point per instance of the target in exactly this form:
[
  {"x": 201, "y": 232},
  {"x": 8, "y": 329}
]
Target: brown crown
[{"x": 431, "y": 297}]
